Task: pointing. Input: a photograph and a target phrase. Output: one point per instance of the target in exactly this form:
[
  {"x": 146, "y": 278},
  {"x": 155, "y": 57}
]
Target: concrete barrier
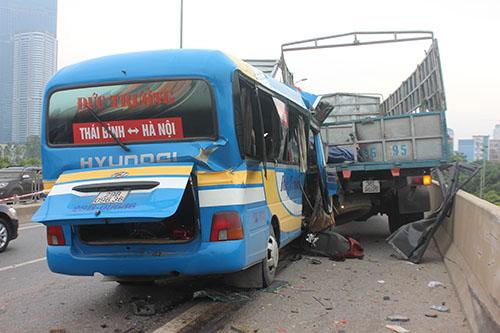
[
  {"x": 469, "y": 242},
  {"x": 25, "y": 212}
]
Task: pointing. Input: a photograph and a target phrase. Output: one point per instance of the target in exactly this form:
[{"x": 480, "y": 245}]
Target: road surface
[{"x": 328, "y": 297}]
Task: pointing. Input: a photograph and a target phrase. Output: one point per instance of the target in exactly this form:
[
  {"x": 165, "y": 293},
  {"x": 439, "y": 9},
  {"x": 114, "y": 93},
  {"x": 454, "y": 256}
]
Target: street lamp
[{"x": 182, "y": 16}]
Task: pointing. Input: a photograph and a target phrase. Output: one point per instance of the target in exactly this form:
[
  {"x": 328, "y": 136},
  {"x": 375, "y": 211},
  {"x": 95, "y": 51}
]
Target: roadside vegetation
[
  {"x": 491, "y": 190},
  {"x": 27, "y": 154}
]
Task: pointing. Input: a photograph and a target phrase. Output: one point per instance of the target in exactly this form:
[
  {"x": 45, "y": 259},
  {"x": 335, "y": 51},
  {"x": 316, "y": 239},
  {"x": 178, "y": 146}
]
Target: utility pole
[
  {"x": 483, "y": 172},
  {"x": 182, "y": 18}
]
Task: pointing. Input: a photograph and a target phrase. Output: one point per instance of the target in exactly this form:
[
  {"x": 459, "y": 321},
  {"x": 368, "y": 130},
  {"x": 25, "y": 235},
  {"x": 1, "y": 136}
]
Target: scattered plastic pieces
[
  {"x": 315, "y": 261},
  {"x": 340, "y": 322},
  {"x": 381, "y": 281},
  {"x": 275, "y": 287},
  {"x": 440, "y": 308},
  {"x": 434, "y": 284},
  {"x": 397, "y": 318},
  {"x": 396, "y": 328},
  {"x": 218, "y": 296}
]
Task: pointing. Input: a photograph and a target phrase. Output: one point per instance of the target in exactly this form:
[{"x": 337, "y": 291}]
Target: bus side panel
[
  {"x": 284, "y": 197},
  {"x": 240, "y": 191}
]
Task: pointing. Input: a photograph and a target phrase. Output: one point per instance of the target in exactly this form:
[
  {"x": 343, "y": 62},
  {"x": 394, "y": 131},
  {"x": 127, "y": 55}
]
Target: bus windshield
[{"x": 135, "y": 112}]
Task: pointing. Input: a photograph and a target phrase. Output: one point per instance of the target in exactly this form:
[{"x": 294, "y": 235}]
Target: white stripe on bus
[{"x": 231, "y": 196}]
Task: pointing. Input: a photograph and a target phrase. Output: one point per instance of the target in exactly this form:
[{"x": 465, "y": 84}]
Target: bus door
[{"x": 274, "y": 133}]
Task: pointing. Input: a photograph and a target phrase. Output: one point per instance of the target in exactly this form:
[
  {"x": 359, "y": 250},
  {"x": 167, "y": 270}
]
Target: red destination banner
[{"x": 129, "y": 130}]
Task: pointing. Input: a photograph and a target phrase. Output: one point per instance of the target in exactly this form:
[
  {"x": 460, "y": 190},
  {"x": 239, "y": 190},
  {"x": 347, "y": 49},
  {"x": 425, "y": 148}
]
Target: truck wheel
[
  {"x": 270, "y": 263},
  {"x": 4, "y": 235},
  {"x": 397, "y": 220}
]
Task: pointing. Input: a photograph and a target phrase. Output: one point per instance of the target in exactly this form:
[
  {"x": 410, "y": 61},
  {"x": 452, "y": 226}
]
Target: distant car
[
  {"x": 8, "y": 226},
  {"x": 20, "y": 180}
]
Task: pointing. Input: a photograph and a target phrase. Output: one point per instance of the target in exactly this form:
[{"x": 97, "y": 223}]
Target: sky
[{"x": 467, "y": 32}]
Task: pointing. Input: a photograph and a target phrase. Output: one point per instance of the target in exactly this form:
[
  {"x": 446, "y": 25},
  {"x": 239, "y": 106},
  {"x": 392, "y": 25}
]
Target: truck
[{"x": 382, "y": 151}]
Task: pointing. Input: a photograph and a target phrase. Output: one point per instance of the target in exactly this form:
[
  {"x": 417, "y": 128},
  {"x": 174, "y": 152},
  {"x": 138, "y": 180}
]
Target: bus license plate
[
  {"x": 371, "y": 186},
  {"x": 110, "y": 197}
]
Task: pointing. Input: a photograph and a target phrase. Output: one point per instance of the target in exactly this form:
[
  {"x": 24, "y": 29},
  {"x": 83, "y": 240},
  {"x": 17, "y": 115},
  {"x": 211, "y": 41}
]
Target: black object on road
[{"x": 411, "y": 240}]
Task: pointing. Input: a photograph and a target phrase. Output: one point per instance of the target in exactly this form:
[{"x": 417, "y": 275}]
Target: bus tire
[{"x": 270, "y": 263}]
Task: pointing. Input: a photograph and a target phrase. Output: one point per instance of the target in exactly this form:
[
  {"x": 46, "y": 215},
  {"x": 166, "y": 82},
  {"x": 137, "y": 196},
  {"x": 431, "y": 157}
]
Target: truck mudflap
[{"x": 135, "y": 194}]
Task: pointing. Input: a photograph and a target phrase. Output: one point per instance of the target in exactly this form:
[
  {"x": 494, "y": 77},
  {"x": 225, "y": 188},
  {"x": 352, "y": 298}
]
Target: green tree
[{"x": 32, "y": 148}]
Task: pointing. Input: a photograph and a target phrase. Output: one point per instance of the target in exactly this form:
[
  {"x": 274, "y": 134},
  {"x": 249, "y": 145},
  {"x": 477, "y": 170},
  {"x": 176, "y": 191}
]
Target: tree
[{"x": 32, "y": 148}]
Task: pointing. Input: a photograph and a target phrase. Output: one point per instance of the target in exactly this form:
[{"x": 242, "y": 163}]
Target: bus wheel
[{"x": 270, "y": 264}]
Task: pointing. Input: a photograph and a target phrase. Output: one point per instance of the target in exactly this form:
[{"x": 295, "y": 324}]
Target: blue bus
[{"x": 174, "y": 162}]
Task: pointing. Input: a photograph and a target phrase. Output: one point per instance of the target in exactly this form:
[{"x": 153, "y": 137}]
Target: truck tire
[{"x": 397, "y": 220}]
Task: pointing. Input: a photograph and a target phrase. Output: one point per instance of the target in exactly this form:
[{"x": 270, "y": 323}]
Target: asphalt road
[{"x": 329, "y": 297}]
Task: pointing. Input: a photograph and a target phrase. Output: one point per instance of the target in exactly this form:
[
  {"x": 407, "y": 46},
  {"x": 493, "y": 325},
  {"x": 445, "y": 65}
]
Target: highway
[{"x": 318, "y": 297}]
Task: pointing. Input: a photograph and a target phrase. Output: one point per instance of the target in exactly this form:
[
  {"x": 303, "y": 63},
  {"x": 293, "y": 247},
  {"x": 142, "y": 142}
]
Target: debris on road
[
  {"x": 386, "y": 298},
  {"x": 396, "y": 328},
  {"x": 412, "y": 239},
  {"x": 434, "y": 284},
  {"x": 340, "y": 322},
  {"x": 224, "y": 297},
  {"x": 315, "y": 261},
  {"x": 397, "y": 318},
  {"x": 275, "y": 287},
  {"x": 431, "y": 315},
  {"x": 143, "y": 308},
  {"x": 381, "y": 281},
  {"x": 243, "y": 329},
  {"x": 332, "y": 245},
  {"x": 440, "y": 308}
]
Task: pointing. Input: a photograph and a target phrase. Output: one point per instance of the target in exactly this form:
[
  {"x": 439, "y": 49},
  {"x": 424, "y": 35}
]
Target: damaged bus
[{"x": 175, "y": 162}]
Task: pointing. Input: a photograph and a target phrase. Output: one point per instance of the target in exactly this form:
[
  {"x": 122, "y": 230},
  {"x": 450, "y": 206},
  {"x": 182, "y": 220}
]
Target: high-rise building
[
  {"x": 466, "y": 147},
  {"x": 494, "y": 150},
  {"x": 34, "y": 64},
  {"x": 481, "y": 147},
  {"x": 17, "y": 17},
  {"x": 451, "y": 140},
  {"x": 496, "y": 132}
]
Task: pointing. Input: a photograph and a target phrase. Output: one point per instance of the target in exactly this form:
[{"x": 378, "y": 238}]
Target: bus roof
[{"x": 212, "y": 64}]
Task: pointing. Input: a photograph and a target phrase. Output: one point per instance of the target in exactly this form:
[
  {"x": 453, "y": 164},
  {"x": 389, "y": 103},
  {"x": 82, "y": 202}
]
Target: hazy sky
[{"x": 467, "y": 32}]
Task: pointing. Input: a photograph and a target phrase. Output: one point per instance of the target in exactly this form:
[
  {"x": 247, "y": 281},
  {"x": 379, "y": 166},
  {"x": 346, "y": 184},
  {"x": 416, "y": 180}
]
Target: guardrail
[{"x": 469, "y": 241}]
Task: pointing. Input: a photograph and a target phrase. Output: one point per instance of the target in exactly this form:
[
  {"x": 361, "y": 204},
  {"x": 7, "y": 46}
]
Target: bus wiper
[{"x": 110, "y": 132}]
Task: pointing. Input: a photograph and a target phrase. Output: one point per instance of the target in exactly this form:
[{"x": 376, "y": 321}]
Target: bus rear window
[{"x": 134, "y": 112}]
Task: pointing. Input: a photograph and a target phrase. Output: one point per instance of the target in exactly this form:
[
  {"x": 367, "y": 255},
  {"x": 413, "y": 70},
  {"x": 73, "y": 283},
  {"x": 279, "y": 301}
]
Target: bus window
[
  {"x": 252, "y": 131},
  {"x": 135, "y": 112},
  {"x": 296, "y": 145},
  {"x": 273, "y": 131}
]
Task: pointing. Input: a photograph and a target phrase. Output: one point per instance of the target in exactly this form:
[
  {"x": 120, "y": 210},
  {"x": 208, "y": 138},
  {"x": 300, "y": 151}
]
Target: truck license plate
[
  {"x": 110, "y": 197},
  {"x": 371, "y": 186}
]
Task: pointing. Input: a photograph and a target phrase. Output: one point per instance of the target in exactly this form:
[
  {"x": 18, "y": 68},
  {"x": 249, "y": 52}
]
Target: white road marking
[
  {"x": 6, "y": 268},
  {"x": 38, "y": 225}
]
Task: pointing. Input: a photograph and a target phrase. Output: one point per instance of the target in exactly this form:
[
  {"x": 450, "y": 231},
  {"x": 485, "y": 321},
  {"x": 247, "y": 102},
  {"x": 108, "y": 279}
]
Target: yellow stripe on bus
[
  {"x": 288, "y": 222},
  {"x": 228, "y": 177},
  {"x": 48, "y": 184},
  {"x": 138, "y": 171}
]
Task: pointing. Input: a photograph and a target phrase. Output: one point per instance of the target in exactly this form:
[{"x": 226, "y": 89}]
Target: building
[
  {"x": 17, "y": 17},
  {"x": 495, "y": 150},
  {"x": 481, "y": 147},
  {"x": 466, "y": 148},
  {"x": 451, "y": 140},
  {"x": 496, "y": 132},
  {"x": 34, "y": 64}
]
